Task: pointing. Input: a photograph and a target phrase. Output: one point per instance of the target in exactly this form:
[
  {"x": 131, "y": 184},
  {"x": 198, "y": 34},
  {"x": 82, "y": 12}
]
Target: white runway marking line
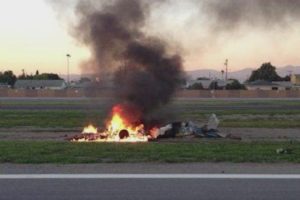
[{"x": 150, "y": 176}]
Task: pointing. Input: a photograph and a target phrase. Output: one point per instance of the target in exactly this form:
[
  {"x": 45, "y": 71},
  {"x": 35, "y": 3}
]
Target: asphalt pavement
[
  {"x": 152, "y": 168},
  {"x": 144, "y": 189},
  {"x": 150, "y": 181}
]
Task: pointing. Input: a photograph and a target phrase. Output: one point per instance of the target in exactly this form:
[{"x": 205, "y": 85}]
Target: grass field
[
  {"x": 49, "y": 118},
  {"x": 237, "y": 113},
  {"x": 55, "y": 114},
  {"x": 213, "y": 151}
]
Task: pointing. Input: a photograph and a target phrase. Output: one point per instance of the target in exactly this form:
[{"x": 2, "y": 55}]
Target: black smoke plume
[
  {"x": 145, "y": 74},
  {"x": 268, "y": 14}
]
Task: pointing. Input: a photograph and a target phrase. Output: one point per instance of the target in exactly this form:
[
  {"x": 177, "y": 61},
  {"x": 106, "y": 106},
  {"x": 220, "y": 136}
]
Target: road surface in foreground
[{"x": 149, "y": 186}]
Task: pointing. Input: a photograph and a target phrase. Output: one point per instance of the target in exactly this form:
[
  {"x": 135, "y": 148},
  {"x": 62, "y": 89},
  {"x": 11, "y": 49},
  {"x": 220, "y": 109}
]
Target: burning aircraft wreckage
[
  {"x": 118, "y": 130},
  {"x": 146, "y": 71}
]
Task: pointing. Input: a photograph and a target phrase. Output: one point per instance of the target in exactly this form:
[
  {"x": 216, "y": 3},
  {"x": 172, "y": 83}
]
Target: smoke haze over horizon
[{"x": 204, "y": 32}]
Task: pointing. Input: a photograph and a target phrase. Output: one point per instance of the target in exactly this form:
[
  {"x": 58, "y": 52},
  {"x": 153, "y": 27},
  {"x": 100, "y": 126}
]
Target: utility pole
[
  {"x": 222, "y": 72},
  {"x": 226, "y": 70},
  {"x": 68, "y": 67},
  {"x": 23, "y": 73}
]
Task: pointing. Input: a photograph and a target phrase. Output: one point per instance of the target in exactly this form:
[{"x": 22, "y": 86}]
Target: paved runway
[
  {"x": 152, "y": 168},
  {"x": 143, "y": 188}
]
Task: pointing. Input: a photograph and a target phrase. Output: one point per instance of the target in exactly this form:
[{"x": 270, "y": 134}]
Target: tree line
[
  {"x": 266, "y": 72},
  {"x": 9, "y": 78}
]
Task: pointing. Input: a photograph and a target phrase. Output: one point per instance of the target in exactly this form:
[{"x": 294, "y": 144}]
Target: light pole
[
  {"x": 68, "y": 67},
  {"x": 226, "y": 70}
]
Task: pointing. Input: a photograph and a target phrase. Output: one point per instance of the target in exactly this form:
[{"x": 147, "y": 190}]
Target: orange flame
[
  {"x": 90, "y": 129},
  {"x": 118, "y": 123}
]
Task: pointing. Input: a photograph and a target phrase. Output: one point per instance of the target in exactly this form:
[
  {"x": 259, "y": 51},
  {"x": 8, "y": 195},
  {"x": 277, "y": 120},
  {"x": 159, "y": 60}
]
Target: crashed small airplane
[{"x": 118, "y": 131}]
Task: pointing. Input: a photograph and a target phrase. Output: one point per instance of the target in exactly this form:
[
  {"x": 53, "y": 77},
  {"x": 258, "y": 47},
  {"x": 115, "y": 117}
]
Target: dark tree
[
  {"x": 287, "y": 78},
  {"x": 266, "y": 72},
  {"x": 196, "y": 86},
  {"x": 202, "y": 78},
  {"x": 44, "y": 76},
  {"x": 214, "y": 86},
  {"x": 84, "y": 80},
  {"x": 8, "y": 77},
  {"x": 48, "y": 76},
  {"x": 235, "y": 85},
  {"x": 23, "y": 75}
]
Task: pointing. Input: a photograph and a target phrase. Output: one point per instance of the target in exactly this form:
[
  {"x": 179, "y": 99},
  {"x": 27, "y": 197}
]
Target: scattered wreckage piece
[{"x": 209, "y": 130}]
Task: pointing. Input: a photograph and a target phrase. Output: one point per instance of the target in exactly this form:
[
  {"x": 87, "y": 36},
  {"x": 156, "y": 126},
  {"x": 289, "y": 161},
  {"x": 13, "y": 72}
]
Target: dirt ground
[{"x": 246, "y": 134}]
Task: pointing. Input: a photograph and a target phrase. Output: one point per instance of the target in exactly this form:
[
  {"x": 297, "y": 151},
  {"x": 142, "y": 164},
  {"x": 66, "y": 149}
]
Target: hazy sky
[{"x": 33, "y": 37}]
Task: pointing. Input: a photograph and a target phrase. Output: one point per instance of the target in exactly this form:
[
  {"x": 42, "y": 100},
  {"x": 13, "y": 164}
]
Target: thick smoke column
[
  {"x": 107, "y": 30},
  {"x": 150, "y": 76},
  {"x": 231, "y": 14},
  {"x": 145, "y": 74}
]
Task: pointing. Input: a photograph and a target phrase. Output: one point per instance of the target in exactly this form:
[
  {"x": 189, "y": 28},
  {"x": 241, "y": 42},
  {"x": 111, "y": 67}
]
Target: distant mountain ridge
[{"x": 241, "y": 75}]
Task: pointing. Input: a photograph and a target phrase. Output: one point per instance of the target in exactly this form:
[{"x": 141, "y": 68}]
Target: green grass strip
[{"x": 212, "y": 151}]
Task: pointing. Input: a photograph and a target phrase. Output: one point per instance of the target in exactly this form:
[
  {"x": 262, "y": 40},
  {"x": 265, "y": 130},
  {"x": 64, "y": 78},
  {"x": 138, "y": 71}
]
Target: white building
[
  {"x": 267, "y": 85},
  {"x": 40, "y": 84}
]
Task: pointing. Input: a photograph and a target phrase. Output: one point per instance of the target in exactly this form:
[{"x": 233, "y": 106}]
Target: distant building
[
  {"x": 40, "y": 84},
  {"x": 206, "y": 83},
  {"x": 222, "y": 83},
  {"x": 295, "y": 79},
  {"x": 287, "y": 84},
  {"x": 267, "y": 85},
  {"x": 4, "y": 86},
  {"x": 92, "y": 85}
]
